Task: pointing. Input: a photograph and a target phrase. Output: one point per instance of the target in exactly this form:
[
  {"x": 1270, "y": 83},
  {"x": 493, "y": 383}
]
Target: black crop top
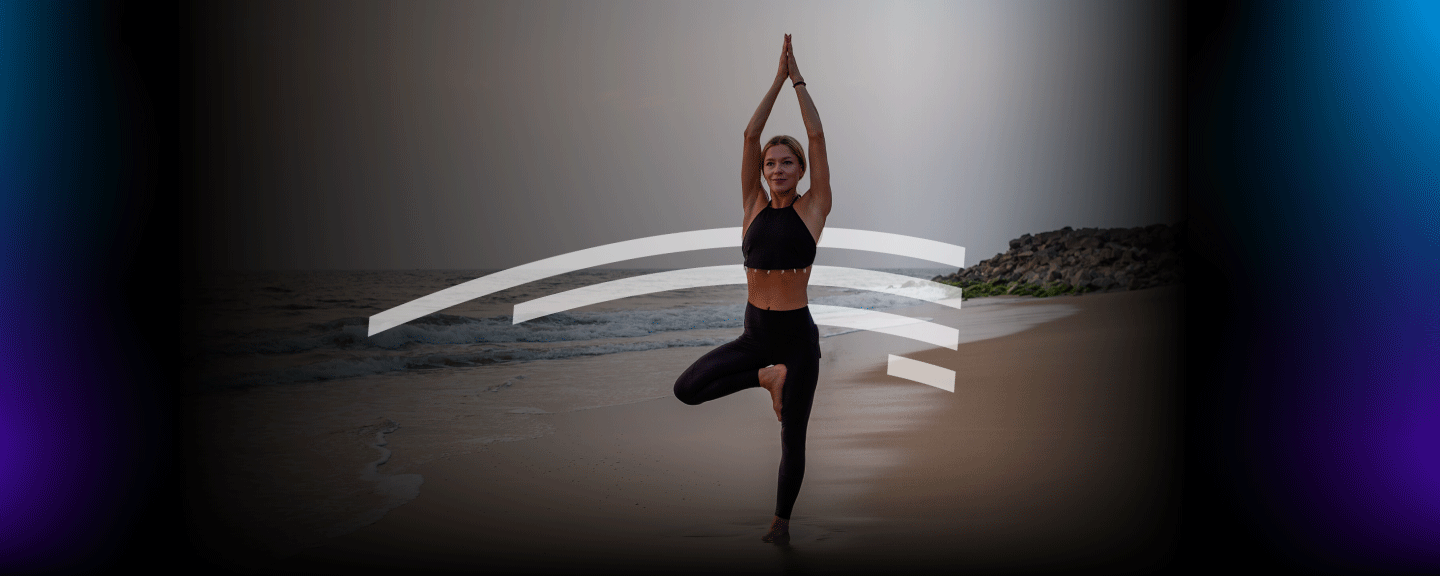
[{"x": 778, "y": 239}]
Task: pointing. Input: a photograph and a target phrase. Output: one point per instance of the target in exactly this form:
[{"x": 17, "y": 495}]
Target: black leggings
[{"x": 787, "y": 337}]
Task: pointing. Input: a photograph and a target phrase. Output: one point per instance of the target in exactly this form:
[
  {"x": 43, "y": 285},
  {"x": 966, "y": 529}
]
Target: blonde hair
[{"x": 788, "y": 141}]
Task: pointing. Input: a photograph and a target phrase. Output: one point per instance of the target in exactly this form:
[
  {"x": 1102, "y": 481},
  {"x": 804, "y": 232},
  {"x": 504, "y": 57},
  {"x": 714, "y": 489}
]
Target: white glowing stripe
[
  {"x": 552, "y": 266},
  {"x": 893, "y": 324},
  {"x": 897, "y": 244},
  {"x": 627, "y": 287},
  {"x": 836, "y": 276},
  {"x": 924, "y": 373},
  {"x": 651, "y": 246},
  {"x": 872, "y": 281}
]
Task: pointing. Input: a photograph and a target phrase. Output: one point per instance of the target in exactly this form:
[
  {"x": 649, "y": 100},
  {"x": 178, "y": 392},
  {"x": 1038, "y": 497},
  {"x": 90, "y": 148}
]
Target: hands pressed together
[{"x": 788, "y": 68}]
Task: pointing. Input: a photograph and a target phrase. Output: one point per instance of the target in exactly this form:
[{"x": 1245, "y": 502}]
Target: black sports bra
[{"x": 778, "y": 240}]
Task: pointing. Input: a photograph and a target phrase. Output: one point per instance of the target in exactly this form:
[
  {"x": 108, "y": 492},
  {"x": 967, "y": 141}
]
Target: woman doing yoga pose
[{"x": 780, "y": 348}]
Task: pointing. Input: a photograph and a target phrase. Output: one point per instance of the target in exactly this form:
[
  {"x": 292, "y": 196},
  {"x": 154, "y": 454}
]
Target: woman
[{"x": 780, "y": 349}]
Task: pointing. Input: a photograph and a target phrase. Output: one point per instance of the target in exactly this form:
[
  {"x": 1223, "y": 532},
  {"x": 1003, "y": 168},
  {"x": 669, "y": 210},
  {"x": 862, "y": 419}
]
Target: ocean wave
[
  {"x": 880, "y": 300},
  {"x": 365, "y": 366},
  {"x": 448, "y": 329}
]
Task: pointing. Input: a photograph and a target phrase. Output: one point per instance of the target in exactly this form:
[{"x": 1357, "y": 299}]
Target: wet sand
[{"x": 1057, "y": 450}]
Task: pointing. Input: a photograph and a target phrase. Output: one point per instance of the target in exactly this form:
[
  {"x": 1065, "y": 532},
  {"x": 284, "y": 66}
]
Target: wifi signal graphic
[{"x": 840, "y": 277}]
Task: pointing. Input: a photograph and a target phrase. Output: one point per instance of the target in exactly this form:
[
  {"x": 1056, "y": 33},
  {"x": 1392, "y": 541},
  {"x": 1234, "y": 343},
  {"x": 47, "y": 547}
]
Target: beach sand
[{"x": 1057, "y": 450}]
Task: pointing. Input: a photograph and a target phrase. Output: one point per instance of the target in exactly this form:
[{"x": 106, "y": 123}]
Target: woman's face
[{"x": 781, "y": 169}]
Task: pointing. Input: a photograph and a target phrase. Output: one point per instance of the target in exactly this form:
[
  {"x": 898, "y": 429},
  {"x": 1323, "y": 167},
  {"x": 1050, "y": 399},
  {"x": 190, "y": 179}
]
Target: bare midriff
[{"x": 778, "y": 289}]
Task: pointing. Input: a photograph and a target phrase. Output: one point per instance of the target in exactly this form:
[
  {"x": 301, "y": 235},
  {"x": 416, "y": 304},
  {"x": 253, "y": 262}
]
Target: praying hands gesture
[{"x": 788, "y": 64}]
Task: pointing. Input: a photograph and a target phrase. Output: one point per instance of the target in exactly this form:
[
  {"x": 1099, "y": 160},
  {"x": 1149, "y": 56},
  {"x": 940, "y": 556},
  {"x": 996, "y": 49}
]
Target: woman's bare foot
[
  {"x": 772, "y": 378},
  {"x": 779, "y": 532}
]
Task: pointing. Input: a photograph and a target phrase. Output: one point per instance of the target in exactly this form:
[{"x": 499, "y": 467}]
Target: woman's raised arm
[
  {"x": 819, "y": 165},
  {"x": 751, "y": 188}
]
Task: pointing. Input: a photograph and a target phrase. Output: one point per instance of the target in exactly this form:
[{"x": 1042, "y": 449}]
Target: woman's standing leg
[{"x": 798, "y": 395}]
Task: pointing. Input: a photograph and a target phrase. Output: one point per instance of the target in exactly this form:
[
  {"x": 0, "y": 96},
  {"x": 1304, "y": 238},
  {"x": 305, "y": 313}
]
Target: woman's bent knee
[{"x": 685, "y": 393}]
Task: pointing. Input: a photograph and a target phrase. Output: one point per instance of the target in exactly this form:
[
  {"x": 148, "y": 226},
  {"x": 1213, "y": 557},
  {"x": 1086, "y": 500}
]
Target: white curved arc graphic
[
  {"x": 893, "y": 324},
  {"x": 922, "y": 372},
  {"x": 897, "y": 244},
  {"x": 836, "y": 276},
  {"x": 554, "y": 265},
  {"x": 651, "y": 246}
]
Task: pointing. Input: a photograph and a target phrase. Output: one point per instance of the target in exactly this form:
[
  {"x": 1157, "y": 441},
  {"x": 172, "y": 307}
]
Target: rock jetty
[{"x": 1069, "y": 261}]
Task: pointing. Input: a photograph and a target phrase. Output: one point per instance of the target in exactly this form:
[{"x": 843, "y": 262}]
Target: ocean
[{"x": 278, "y": 328}]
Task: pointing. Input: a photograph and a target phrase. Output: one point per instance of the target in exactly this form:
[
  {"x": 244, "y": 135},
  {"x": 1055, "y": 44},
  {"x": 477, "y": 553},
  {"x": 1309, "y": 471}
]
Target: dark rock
[{"x": 1095, "y": 258}]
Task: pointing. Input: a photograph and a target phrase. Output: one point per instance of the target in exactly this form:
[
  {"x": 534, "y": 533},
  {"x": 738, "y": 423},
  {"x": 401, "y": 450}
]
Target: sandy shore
[{"x": 1057, "y": 450}]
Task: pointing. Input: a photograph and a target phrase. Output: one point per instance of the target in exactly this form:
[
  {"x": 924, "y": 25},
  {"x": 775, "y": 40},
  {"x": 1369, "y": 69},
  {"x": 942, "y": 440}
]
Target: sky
[{"x": 486, "y": 135}]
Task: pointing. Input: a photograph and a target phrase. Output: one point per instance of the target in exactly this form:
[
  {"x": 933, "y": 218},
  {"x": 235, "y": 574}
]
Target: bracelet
[{"x": 797, "y": 84}]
